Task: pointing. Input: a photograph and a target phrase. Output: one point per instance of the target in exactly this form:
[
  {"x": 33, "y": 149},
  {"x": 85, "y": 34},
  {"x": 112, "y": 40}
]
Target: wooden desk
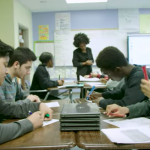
[
  {"x": 98, "y": 140},
  {"x": 48, "y": 137}
]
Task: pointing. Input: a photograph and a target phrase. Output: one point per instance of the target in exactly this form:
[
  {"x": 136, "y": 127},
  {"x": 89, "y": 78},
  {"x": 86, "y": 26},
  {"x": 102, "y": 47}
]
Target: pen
[
  {"x": 47, "y": 115},
  {"x": 116, "y": 115},
  {"x": 145, "y": 72},
  {"x": 90, "y": 92}
]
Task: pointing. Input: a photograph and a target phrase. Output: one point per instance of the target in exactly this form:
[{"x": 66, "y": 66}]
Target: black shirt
[
  {"x": 129, "y": 94},
  {"x": 79, "y": 57}
]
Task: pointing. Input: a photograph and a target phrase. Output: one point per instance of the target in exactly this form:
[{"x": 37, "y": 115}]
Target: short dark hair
[
  {"x": 22, "y": 55},
  {"x": 5, "y": 50},
  {"x": 80, "y": 38},
  {"x": 45, "y": 57},
  {"x": 110, "y": 58}
]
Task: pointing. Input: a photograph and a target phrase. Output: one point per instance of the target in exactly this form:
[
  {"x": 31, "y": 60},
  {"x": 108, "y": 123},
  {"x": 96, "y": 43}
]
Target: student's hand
[
  {"x": 103, "y": 80},
  {"x": 33, "y": 98},
  {"x": 46, "y": 110},
  {"x": 116, "y": 109},
  {"x": 93, "y": 96},
  {"x": 89, "y": 62},
  {"x": 86, "y": 76},
  {"x": 37, "y": 98},
  {"x": 94, "y": 74},
  {"x": 36, "y": 119},
  {"x": 97, "y": 100},
  {"x": 145, "y": 87},
  {"x": 60, "y": 82}
]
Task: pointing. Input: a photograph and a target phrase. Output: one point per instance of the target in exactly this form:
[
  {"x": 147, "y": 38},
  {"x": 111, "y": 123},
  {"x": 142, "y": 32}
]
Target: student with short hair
[
  {"x": 41, "y": 79},
  {"x": 16, "y": 129},
  {"x": 112, "y": 62},
  {"x": 18, "y": 67}
]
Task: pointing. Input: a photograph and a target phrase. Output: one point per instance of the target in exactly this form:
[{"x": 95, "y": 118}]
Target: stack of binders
[{"x": 82, "y": 116}]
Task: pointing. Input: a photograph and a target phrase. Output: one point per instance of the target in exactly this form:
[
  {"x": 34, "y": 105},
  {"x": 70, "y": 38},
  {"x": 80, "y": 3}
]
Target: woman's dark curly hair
[{"x": 80, "y": 38}]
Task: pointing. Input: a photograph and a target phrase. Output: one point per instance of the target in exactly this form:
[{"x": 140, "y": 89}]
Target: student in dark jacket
[
  {"x": 113, "y": 63},
  {"x": 41, "y": 79},
  {"x": 82, "y": 56}
]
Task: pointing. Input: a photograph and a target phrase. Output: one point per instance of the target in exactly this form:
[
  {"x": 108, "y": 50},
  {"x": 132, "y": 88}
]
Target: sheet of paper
[
  {"x": 52, "y": 104},
  {"x": 128, "y": 135},
  {"x": 45, "y": 123},
  {"x": 62, "y": 21},
  {"x": 98, "y": 84},
  {"x": 129, "y": 20},
  {"x": 128, "y": 123},
  {"x": 89, "y": 79}
]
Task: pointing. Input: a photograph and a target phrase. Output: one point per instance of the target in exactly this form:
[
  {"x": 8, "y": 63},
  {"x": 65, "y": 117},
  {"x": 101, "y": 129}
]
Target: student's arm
[
  {"x": 13, "y": 130},
  {"x": 139, "y": 110},
  {"x": 9, "y": 109},
  {"x": 75, "y": 60},
  {"x": 131, "y": 95},
  {"x": 44, "y": 80}
]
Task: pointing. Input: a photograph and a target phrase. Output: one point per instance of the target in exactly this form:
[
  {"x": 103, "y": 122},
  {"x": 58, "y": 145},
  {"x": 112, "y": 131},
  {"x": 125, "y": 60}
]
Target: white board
[{"x": 99, "y": 39}]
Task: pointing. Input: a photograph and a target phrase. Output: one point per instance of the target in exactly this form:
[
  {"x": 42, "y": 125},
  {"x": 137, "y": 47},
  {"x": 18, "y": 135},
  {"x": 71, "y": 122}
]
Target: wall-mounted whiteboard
[{"x": 99, "y": 39}]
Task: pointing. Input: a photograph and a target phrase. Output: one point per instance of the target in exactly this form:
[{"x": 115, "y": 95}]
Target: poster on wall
[
  {"x": 62, "y": 21},
  {"x": 43, "y": 32}
]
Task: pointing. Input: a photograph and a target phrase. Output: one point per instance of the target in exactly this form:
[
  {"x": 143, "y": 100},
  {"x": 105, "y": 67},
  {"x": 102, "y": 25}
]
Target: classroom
[{"x": 74, "y": 73}]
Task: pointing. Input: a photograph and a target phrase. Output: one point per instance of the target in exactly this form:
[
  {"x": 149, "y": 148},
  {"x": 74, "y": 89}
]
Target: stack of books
[{"x": 82, "y": 116}]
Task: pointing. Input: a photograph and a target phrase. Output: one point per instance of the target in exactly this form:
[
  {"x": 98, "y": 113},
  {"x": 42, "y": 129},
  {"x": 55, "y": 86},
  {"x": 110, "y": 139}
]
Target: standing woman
[{"x": 82, "y": 56}]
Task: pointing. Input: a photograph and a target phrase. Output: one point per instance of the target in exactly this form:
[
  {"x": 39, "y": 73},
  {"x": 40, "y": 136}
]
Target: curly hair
[
  {"x": 80, "y": 38},
  {"x": 110, "y": 58}
]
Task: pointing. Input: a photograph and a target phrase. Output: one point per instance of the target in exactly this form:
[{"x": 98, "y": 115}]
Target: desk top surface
[
  {"x": 48, "y": 137},
  {"x": 98, "y": 140}
]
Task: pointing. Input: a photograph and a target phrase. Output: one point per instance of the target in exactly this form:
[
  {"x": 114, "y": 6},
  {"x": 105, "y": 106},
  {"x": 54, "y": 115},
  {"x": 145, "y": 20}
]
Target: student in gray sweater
[
  {"x": 13, "y": 130},
  {"x": 19, "y": 66},
  {"x": 112, "y": 62}
]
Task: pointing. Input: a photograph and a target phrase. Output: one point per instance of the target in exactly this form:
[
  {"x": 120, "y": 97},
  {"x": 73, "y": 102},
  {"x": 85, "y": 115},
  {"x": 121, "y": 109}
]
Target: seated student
[
  {"x": 19, "y": 66},
  {"x": 136, "y": 110},
  {"x": 113, "y": 63},
  {"x": 16, "y": 129},
  {"x": 41, "y": 79}
]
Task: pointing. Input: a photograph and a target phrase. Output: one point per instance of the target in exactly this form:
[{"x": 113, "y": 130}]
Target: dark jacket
[
  {"x": 129, "y": 94},
  {"x": 13, "y": 130},
  {"x": 79, "y": 57},
  {"x": 139, "y": 110},
  {"x": 41, "y": 80}
]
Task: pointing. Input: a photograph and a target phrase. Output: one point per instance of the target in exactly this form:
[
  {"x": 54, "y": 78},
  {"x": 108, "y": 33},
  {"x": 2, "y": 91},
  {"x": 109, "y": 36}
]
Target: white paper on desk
[
  {"x": 52, "y": 104},
  {"x": 89, "y": 79},
  {"x": 96, "y": 84},
  {"x": 128, "y": 123},
  {"x": 128, "y": 135},
  {"x": 45, "y": 123}
]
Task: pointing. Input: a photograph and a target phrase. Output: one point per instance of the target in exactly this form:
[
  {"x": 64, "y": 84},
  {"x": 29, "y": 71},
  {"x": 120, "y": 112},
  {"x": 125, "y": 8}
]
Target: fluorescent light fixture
[{"x": 85, "y": 1}]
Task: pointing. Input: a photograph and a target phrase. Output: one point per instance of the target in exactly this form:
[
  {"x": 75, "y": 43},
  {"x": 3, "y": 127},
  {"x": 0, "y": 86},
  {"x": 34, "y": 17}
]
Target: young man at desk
[
  {"x": 18, "y": 67},
  {"x": 13, "y": 130},
  {"x": 113, "y": 63},
  {"x": 137, "y": 110}
]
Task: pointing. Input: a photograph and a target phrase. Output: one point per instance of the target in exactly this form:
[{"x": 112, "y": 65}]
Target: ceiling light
[{"x": 85, "y": 1}]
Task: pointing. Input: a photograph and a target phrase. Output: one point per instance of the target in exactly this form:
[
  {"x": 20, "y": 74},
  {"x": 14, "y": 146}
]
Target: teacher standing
[{"x": 82, "y": 56}]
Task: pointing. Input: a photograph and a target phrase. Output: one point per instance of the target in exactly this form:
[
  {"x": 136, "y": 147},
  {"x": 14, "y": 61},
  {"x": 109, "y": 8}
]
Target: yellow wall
[
  {"x": 23, "y": 17},
  {"x": 7, "y": 21}
]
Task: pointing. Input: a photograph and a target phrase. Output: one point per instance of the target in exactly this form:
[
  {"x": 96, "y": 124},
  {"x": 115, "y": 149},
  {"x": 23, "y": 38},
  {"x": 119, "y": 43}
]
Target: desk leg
[{"x": 70, "y": 95}]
